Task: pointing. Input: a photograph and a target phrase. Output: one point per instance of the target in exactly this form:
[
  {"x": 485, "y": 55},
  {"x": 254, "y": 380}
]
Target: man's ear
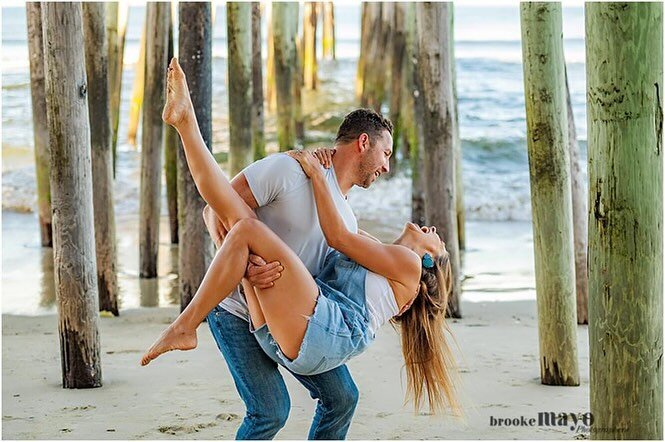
[{"x": 363, "y": 142}]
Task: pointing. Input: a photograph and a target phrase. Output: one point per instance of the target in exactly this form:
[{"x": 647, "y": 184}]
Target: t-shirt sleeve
[{"x": 273, "y": 175}]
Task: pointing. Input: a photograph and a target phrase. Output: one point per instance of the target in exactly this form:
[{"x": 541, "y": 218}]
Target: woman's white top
[{"x": 379, "y": 299}]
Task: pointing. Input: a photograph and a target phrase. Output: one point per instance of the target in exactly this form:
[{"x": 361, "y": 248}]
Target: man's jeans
[{"x": 263, "y": 390}]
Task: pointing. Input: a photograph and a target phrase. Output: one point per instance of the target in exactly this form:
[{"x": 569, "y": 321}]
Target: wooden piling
[
  {"x": 328, "y": 37},
  {"x": 459, "y": 179},
  {"x": 310, "y": 68},
  {"x": 580, "y": 222},
  {"x": 239, "y": 38},
  {"x": 551, "y": 206},
  {"x": 39, "y": 123},
  {"x": 434, "y": 40},
  {"x": 96, "y": 61},
  {"x": 171, "y": 155},
  {"x": 624, "y": 80},
  {"x": 71, "y": 195},
  {"x": 258, "y": 131},
  {"x": 136, "y": 102},
  {"x": 195, "y": 56},
  {"x": 413, "y": 114},
  {"x": 157, "y": 20},
  {"x": 284, "y": 29},
  {"x": 398, "y": 67}
]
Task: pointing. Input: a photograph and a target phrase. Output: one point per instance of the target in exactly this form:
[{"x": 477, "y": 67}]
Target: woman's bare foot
[
  {"x": 178, "y": 103},
  {"x": 172, "y": 338}
]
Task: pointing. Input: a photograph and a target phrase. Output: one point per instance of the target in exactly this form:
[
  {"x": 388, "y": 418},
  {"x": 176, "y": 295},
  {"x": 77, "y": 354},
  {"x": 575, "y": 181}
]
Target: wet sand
[{"x": 186, "y": 395}]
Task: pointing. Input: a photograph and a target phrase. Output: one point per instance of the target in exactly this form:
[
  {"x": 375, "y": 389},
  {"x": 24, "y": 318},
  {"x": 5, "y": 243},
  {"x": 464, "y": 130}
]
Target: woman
[{"x": 314, "y": 325}]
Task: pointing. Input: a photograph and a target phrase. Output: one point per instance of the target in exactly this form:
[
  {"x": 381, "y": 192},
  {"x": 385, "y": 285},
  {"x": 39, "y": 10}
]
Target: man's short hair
[{"x": 362, "y": 121}]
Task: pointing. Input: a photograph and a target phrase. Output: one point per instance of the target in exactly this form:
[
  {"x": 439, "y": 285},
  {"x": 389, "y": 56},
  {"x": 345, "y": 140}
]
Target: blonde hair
[{"x": 431, "y": 370}]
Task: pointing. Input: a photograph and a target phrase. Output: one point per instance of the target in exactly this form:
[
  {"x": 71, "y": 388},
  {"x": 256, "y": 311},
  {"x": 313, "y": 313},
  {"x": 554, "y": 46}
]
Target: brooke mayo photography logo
[{"x": 577, "y": 422}]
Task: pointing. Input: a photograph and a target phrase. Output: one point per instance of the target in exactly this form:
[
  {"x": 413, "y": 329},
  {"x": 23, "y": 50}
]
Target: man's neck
[{"x": 343, "y": 170}]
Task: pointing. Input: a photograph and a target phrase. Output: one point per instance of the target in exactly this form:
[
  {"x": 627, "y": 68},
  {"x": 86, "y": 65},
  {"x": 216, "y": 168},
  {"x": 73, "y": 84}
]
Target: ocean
[{"x": 490, "y": 105}]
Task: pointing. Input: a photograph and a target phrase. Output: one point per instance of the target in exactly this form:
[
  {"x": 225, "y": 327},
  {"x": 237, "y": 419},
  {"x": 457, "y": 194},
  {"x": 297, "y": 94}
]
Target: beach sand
[{"x": 185, "y": 395}]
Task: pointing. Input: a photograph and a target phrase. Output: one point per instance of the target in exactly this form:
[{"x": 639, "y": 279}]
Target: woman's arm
[{"x": 388, "y": 260}]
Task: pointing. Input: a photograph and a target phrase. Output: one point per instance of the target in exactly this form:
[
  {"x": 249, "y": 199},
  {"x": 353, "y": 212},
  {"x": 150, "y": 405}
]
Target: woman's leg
[
  {"x": 210, "y": 181},
  {"x": 286, "y": 306}
]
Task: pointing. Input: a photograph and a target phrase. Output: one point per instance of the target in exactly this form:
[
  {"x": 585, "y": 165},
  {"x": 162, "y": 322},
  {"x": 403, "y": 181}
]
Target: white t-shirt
[
  {"x": 380, "y": 300},
  {"x": 286, "y": 205}
]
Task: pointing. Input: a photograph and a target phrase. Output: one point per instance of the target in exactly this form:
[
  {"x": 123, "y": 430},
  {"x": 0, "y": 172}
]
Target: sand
[{"x": 190, "y": 395}]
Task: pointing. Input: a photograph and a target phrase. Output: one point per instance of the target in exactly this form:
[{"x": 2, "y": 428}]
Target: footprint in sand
[
  {"x": 184, "y": 429},
  {"x": 122, "y": 351},
  {"x": 227, "y": 417},
  {"x": 81, "y": 408},
  {"x": 175, "y": 430}
]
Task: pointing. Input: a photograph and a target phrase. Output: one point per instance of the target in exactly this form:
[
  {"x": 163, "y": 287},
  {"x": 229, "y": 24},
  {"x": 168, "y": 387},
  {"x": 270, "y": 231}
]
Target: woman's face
[{"x": 422, "y": 238}]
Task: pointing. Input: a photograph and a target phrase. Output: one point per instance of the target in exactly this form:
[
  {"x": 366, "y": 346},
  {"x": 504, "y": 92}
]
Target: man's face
[{"x": 374, "y": 158}]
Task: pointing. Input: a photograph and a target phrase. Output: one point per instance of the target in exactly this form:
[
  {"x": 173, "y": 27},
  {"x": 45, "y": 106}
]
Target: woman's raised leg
[
  {"x": 286, "y": 305},
  {"x": 210, "y": 181}
]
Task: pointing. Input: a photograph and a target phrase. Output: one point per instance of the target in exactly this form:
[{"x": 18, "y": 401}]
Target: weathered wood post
[
  {"x": 328, "y": 37},
  {"x": 195, "y": 57},
  {"x": 137, "y": 92},
  {"x": 171, "y": 155},
  {"x": 284, "y": 29},
  {"x": 239, "y": 38},
  {"x": 398, "y": 67},
  {"x": 116, "y": 29},
  {"x": 40, "y": 127},
  {"x": 373, "y": 75},
  {"x": 271, "y": 93},
  {"x": 71, "y": 195},
  {"x": 434, "y": 40},
  {"x": 157, "y": 21},
  {"x": 459, "y": 179},
  {"x": 580, "y": 214},
  {"x": 297, "y": 86},
  {"x": 413, "y": 114},
  {"x": 624, "y": 77},
  {"x": 365, "y": 20},
  {"x": 310, "y": 21},
  {"x": 258, "y": 132},
  {"x": 551, "y": 206},
  {"x": 96, "y": 60}
]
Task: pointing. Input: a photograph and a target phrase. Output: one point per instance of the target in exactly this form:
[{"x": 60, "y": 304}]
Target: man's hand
[{"x": 261, "y": 274}]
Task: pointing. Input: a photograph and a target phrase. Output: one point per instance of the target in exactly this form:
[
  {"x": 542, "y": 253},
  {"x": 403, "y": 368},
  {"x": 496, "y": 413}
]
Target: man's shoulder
[
  {"x": 274, "y": 175},
  {"x": 277, "y": 162}
]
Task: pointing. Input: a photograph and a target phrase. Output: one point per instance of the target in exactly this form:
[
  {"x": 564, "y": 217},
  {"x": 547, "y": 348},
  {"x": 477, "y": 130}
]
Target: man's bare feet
[
  {"x": 178, "y": 103},
  {"x": 171, "y": 339}
]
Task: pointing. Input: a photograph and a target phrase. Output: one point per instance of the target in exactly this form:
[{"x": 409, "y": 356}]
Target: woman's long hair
[{"x": 431, "y": 370}]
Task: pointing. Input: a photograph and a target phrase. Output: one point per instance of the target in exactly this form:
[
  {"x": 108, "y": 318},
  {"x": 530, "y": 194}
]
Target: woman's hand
[
  {"x": 308, "y": 161},
  {"x": 325, "y": 156}
]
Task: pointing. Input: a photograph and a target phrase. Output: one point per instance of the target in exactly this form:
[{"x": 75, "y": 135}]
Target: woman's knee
[{"x": 245, "y": 229}]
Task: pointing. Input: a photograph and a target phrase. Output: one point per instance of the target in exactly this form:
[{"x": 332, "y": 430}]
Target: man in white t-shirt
[{"x": 281, "y": 194}]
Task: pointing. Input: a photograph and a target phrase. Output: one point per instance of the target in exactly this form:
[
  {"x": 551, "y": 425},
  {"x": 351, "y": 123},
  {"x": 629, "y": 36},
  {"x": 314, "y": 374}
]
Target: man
[{"x": 280, "y": 193}]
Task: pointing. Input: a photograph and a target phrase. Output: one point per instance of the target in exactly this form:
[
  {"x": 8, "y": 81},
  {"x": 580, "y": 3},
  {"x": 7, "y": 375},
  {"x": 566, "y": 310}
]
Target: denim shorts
[{"x": 338, "y": 329}]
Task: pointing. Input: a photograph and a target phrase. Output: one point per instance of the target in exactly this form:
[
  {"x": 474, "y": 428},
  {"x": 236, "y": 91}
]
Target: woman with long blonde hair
[{"x": 312, "y": 325}]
